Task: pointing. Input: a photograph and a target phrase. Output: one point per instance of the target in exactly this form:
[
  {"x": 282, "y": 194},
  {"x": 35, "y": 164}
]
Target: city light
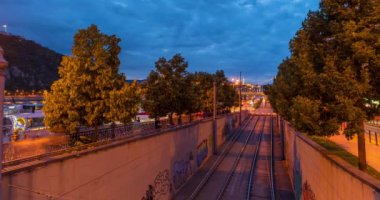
[{"x": 5, "y": 27}]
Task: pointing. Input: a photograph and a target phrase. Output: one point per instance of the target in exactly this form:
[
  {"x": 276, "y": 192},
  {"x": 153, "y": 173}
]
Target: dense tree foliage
[
  {"x": 202, "y": 83},
  {"x": 225, "y": 93},
  {"x": 165, "y": 90},
  {"x": 170, "y": 89},
  {"x": 333, "y": 73},
  {"x": 90, "y": 91}
]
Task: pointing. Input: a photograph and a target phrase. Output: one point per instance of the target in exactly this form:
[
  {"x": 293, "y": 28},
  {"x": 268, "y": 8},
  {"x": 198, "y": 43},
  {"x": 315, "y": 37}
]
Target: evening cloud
[{"x": 234, "y": 35}]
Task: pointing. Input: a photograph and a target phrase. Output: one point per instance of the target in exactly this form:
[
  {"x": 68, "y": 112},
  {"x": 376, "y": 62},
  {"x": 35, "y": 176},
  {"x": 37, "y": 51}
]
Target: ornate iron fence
[{"x": 40, "y": 144}]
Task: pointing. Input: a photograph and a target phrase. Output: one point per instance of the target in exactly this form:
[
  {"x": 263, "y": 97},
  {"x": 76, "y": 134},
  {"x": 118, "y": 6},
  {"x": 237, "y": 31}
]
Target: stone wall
[
  {"x": 156, "y": 166},
  {"x": 316, "y": 174}
]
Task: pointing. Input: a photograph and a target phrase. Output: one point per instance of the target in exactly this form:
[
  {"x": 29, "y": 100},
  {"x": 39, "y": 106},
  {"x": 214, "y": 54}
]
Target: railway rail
[{"x": 237, "y": 167}]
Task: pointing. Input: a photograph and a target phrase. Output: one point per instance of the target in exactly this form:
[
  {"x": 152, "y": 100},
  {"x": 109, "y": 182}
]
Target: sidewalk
[{"x": 372, "y": 150}]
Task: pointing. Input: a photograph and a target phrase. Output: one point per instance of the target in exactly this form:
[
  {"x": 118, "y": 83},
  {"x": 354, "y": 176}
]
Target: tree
[
  {"x": 90, "y": 91},
  {"x": 166, "y": 89},
  {"x": 192, "y": 101},
  {"x": 332, "y": 75},
  {"x": 226, "y": 94},
  {"x": 124, "y": 103},
  {"x": 171, "y": 89},
  {"x": 203, "y": 84}
]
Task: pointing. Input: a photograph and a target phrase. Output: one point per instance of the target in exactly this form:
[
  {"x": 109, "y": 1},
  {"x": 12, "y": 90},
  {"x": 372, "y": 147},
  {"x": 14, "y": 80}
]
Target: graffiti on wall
[
  {"x": 302, "y": 190},
  {"x": 160, "y": 188},
  {"x": 202, "y": 152},
  {"x": 307, "y": 192},
  {"x": 181, "y": 172}
]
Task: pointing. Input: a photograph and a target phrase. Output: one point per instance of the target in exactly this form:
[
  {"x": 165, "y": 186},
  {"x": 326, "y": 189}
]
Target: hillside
[{"x": 31, "y": 66}]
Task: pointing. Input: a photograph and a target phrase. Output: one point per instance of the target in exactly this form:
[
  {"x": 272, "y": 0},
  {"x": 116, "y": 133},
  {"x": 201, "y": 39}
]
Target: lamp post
[
  {"x": 214, "y": 134},
  {"x": 240, "y": 100},
  {"x": 5, "y": 28},
  {"x": 3, "y": 66}
]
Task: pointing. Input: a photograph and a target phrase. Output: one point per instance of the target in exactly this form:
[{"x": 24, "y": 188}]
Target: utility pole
[
  {"x": 214, "y": 134},
  {"x": 240, "y": 100},
  {"x": 3, "y": 66}
]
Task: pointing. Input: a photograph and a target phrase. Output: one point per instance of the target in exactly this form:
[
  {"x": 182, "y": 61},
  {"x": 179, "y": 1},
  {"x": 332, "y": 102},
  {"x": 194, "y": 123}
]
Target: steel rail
[
  {"x": 273, "y": 189},
  {"x": 236, "y": 162},
  {"x": 253, "y": 165},
  {"x": 219, "y": 160}
]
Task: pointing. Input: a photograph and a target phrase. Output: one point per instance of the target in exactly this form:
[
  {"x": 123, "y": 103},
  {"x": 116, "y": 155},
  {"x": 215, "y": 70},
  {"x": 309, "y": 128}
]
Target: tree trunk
[
  {"x": 361, "y": 150},
  {"x": 179, "y": 119},
  {"x": 171, "y": 119},
  {"x": 74, "y": 137}
]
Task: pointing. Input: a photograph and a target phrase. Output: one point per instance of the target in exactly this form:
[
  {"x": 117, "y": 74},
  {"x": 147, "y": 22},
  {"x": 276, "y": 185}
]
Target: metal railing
[
  {"x": 374, "y": 122},
  {"x": 43, "y": 144},
  {"x": 373, "y": 137}
]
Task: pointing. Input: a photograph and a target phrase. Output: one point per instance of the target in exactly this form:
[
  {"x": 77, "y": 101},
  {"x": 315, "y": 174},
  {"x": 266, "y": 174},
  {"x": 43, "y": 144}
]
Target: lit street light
[{"x": 5, "y": 27}]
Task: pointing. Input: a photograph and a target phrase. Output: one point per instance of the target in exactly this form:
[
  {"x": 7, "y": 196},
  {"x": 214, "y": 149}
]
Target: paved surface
[{"x": 372, "y": 150}]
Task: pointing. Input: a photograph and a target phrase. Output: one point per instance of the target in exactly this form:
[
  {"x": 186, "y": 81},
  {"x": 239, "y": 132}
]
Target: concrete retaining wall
[
  {"x": 156, "y": 166},
  {"x": 316, "y": 174}
]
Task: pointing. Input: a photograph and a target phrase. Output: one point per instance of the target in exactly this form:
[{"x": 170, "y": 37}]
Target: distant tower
[{"x": 5, "y": 28}]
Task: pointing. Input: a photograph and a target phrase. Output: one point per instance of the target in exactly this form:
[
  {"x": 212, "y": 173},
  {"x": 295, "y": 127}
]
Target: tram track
[
  {"x": 261, "y": 183},
  {"x": 256, "y": 133},
  {"x": 245, "y": 168},
  {"x": 236, "y": 163},
  {"x": 220, "y": 163}
]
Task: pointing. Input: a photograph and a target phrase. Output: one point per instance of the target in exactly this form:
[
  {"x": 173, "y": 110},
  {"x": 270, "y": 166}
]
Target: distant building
[{"x": 248, "y": 91}]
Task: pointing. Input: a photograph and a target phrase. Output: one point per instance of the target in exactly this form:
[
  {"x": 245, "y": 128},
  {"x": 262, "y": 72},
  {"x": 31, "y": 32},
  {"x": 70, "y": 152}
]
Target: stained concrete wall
[
  {"x": 156, "y": 166},
  {"x": 316, "y": 174}
]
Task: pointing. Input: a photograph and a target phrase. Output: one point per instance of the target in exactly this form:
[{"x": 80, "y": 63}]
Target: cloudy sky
[{"x": 251, "y": 36}]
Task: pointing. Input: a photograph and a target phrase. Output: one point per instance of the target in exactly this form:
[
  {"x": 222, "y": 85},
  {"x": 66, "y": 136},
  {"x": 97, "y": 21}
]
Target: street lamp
[
  {"x": 214, "y": 125},
  {"x": 3, "y": 66},
  {"x": 240, "y": 100},
  {"x": 5, "y": 28}
]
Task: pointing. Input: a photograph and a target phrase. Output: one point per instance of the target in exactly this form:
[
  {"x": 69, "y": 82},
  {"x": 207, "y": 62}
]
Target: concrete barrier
[
  {"x": 151, "y": 168},
  {"x": 317, "y": 174}
]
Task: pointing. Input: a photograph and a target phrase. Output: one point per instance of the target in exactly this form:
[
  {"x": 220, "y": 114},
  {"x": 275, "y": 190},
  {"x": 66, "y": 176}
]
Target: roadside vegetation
[{"x": 337, "y": 150}]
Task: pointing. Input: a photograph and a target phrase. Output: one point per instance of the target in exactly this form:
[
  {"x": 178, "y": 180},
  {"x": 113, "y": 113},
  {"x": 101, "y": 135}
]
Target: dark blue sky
[{"x": 251, "y": 36}]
